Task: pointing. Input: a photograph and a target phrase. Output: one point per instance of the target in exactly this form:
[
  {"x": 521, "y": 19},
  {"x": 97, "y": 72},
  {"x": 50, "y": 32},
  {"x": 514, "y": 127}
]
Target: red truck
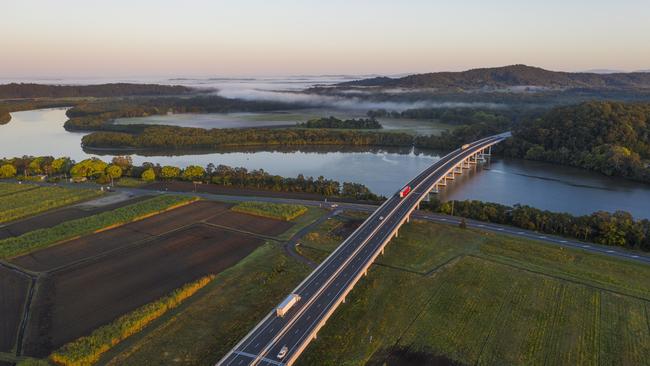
[{"x": 404, "y": 191}]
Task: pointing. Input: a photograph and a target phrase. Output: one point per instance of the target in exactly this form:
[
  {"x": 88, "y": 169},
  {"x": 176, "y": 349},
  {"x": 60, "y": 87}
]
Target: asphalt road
[{"x": 326, "y": 286}]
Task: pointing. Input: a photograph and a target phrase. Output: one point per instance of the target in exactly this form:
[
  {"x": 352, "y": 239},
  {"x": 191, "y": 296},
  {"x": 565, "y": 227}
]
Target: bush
[
  {"x": 7, "y": 171},
  {"x": 148, "y": 175},
  {"x": 273, "y": 210}
]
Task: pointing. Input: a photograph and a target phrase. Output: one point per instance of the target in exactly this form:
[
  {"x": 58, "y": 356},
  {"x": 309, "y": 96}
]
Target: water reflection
[{"x": 384, "y": 170}]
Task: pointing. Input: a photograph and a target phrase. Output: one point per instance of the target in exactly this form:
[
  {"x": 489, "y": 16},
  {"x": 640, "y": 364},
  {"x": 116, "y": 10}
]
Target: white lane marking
[
  {"x": 635, "y": 256},
  {"x": 586, "y": 246},
  {"x": 480, "y": 225},
  {"x": 520, "y": 232},
  {"x": 542, "y": 237},
  {"x": 610, "y": 251},
  {"x": 374, "y": 232},
  {"x": 500, "y": 228},
  {"x": 563, "y": 241}
]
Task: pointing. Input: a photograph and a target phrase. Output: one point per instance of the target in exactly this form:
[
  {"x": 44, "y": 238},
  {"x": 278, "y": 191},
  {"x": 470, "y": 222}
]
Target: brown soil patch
[
  {"x": 14, "y": 288},
  {"x": 251, "y": 223},
  {"x": 124, "y": 236},
  {"x": 73, "y": 302}
]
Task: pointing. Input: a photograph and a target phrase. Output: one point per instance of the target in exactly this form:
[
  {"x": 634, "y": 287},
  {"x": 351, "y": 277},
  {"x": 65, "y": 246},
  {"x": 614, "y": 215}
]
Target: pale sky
[{"x": 74, "y": 38}]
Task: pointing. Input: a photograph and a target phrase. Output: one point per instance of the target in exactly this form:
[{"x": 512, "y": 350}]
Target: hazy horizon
[{"x": 120, "y": 39}]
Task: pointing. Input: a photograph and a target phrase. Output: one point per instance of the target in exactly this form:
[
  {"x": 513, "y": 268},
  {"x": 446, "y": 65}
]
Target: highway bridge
[{"x": 279, "y": 340}]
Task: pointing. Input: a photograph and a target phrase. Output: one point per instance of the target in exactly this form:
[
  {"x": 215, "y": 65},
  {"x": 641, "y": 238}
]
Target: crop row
[
  {"x": 38, "y": 239},
  {"x": 30, "y": 202},
  {"x": 10, "y": 188}
]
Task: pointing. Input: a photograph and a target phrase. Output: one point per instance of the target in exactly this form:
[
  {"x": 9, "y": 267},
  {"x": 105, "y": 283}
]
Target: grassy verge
[
  {"x": 87, "y": 350},
  {"x": 482, "y": 298},
  {"x": 11, "y": 188},
  {"x": 302, "y": 221},
  {"x": 42, "y": 238},
  {"x": 29, "y": 202},
  {"x": 213, "y": 321},
  {"x": 130, "y": 182},
  {"x": 278, "y": 211}
]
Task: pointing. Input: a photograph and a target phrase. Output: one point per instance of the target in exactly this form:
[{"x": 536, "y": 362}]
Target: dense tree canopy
[
  {"x": 7, "y": 171},
  {"x": 610, "y": 137},
  {"x": 333, "y": 122},
  {"x": 617, "y": 229},
  {"x": 168, "y": 137},
  {"x": 15, "y": 90}
]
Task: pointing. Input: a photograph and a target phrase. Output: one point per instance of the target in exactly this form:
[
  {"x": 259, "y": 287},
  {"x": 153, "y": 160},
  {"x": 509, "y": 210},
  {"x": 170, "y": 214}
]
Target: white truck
[{"x": 286, "y": 305}]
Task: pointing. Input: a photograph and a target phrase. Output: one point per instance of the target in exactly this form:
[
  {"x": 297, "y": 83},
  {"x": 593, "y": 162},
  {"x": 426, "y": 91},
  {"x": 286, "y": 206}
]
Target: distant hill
[
  {"x": 15, "y": 91},
  {"x": 510, "y": 76}
]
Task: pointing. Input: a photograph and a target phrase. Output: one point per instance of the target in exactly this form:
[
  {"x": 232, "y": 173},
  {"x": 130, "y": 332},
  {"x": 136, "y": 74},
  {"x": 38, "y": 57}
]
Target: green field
[
  {"x": 11, "y": 188},
  {"x": 480, "y": 298},
  {"x": 19, "y": 201},
  {"x": 473, "y": 297},
  {"x": 278, "y": 211}
]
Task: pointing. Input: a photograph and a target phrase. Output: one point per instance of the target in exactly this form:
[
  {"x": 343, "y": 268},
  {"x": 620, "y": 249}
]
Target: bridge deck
[{"x": 326, "y": 287}]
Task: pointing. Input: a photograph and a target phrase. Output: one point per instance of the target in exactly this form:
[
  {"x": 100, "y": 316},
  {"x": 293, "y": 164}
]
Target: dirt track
[{"x": 13, "y": 293}]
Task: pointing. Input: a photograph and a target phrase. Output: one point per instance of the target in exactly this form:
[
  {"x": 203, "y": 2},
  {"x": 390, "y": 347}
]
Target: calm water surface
[{"x": 537, "y": 184}]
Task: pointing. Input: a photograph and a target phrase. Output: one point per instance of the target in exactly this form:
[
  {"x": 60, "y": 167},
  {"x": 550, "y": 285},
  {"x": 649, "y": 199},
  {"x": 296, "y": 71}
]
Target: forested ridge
[
  {"x": 28, "y": 90},
  {"x": 609, "y": 137},
  {"x": 509, "y": 76}
]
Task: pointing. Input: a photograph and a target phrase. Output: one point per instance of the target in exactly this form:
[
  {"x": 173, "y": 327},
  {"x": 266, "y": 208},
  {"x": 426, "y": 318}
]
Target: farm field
[
  {"x": 278, "y": 211},
  {"x": 213, "y": 321},
  {"x": 49, "y": 219},
  {"x": 14, "y": 288},
  {"x": 128, "y": 279},
  {"x": 90, "y": 281},
  {"x": 464, "y": 297},
  {"x": 11, "y": 188},
  {"x": 26, "y": 202},
  {"x": 254, "y": 224}
]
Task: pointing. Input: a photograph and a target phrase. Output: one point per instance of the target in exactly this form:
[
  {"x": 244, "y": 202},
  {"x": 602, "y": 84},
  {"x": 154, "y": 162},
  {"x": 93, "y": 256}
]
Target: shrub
[
  {"x": 148, "y": 175},
  {"x": 7, "y": 171},
  {"x": 273, "y": 210}
]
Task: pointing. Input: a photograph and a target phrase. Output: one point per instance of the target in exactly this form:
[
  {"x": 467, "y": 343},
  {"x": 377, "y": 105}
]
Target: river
[{"x": 507, "y": 181}]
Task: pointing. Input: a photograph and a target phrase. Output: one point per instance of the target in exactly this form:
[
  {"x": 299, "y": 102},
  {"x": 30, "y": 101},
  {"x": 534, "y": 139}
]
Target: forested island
[
  {"x": 333, "y": 122},
  {"x": 170, "y": 137},
  {"x": 95, "y": 116}
]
